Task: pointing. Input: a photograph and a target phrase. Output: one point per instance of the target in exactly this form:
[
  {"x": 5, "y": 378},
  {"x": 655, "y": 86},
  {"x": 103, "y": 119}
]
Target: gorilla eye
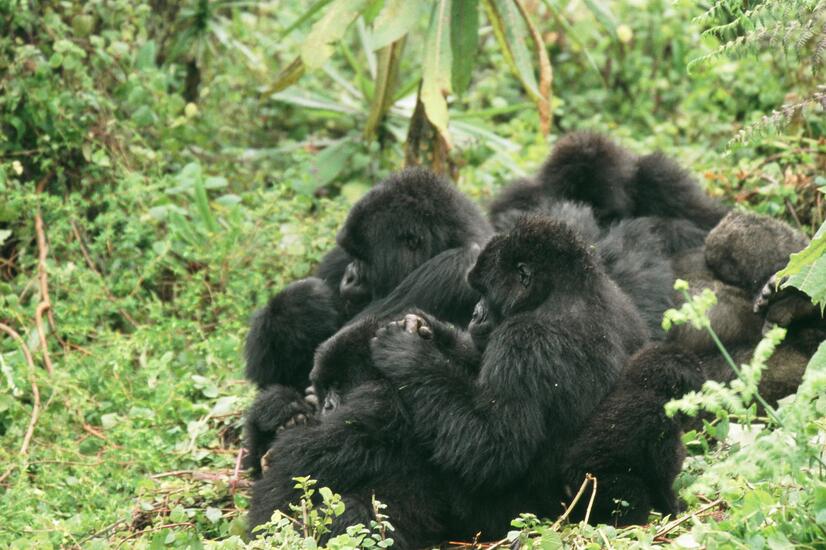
[
  {"x": 411, "y": 240},
  {"x": 524, "y": 274}
]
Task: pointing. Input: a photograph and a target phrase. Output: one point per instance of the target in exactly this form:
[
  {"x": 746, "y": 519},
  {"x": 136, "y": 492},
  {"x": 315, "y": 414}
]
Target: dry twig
[
  {"x": 671, "y": 525},
  {"x": 27, "y": 438},
  {"x": 45, "y": 305}
]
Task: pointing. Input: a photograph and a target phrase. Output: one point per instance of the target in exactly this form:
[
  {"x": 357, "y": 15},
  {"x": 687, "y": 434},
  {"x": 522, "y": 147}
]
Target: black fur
[
  {"x": 592, "y": 169},
  {"x": 360, "y": 447},
  {"x": 410, "y": 241},
  {"x": 284, "y": 334},
  {"x": 562, "y": 332},
  {"x": 629, "y": 444}
]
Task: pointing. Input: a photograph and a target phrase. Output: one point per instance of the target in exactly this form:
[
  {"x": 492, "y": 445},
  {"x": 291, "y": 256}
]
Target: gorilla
[
  {"x": 407, "y": 243},
  {"x": 554, "y": 331},
  {"x": 629, "y": 444},
  {"x": 739, "y": 259},
  {"x": 375, "y": 252},
  {"x": 360, "y": 446},
  {"x": 591, "y": 169}
]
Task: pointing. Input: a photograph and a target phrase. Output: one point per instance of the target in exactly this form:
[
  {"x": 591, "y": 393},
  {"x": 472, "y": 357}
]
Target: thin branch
[
  {"x": 670, "y": 526},
  {"x": 564, "y": 516},
  {"x": 233, "y": 484},
  {"x": 45, "y": 305},
  {"x": 153, "y": 529},
  {"x": 591, "y": 501},
  {"x": 27, "y": 438}
]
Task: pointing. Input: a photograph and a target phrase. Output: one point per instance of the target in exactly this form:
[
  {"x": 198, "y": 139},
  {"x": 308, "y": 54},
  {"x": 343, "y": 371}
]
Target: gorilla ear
[{"x": 525, "y": 274}]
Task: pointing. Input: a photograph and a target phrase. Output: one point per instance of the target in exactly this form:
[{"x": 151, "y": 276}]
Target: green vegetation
[{"x": 154, "y": 191}]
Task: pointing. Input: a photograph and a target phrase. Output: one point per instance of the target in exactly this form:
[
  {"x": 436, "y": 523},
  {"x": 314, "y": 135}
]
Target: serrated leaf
[
  {"x": 395, "y": 20},
  {"x": 464, "y": 40},
  {"x": 436, "y": 69},
  {"x": 806, "y": 269},
  {"x": 213, "y": 514},
  {"x": 317, "y": 47}
]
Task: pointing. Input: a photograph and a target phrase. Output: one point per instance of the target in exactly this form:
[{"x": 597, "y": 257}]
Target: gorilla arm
[{"x": 486, "y": 428}]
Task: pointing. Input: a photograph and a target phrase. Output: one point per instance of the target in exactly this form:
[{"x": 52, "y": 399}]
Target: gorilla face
[
  {"x": 404, "y": 221},
  {"x": 538, "y": 258},
  {"x": 354, "y": 288},
  {"x": 342, "y": 363}
]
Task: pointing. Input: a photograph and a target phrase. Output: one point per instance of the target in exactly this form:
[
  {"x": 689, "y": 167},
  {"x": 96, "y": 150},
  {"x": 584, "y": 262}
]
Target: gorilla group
[{"x": 463, "y": 371}]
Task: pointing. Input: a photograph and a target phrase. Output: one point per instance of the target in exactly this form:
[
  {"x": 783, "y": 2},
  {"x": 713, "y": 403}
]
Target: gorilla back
[{"x": 558, "y": 331}]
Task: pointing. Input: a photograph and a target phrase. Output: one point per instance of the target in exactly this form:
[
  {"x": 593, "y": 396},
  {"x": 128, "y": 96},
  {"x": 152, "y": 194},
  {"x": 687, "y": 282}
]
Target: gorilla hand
[{"x": 398, "y": 347}]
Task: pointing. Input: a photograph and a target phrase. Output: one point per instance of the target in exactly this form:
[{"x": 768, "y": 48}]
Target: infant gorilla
[{"x": 458, "y": 436}]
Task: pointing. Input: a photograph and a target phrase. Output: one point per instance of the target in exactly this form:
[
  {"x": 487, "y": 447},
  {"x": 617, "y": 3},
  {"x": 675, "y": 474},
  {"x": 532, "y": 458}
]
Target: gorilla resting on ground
[
  {"x": 409, "y": 241},
  {"x": 360, "y": 445},
  {"x": 555, "y": 331},
  {"x": 632, "y": 448},
  {"x": 740, "y": 256}
]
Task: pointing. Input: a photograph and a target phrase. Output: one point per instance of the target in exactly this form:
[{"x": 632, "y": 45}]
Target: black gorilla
[
  {"x": 632, "y": 448},
  {"x": 555, "y": 331},
  {"x": 360, "y": 445},
  {"x": 403, "y": 222},
  {"x": 410, "y": 241},
  {"x": 591, "y": 169}
]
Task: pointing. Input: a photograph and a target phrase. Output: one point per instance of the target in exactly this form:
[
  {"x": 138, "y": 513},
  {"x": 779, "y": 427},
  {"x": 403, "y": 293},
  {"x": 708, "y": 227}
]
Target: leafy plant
[
  {"x": 450, "y": 46},
  {"x": 795, "y": 27}
]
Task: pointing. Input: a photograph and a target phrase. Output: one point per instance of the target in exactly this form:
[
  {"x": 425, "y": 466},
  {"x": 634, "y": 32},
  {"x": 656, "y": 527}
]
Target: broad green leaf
[
  {"x": 202, "y": 204},
  {"x": 436, "y": 68},
  {"x": 807, "y": 269},
  {"x": 464, "y": 39},
  {"x": 326, "y": 166},
  {"x": 510, "y": 32},
  {"x": 317, "y": 47},
  {"x": 386, "y": 78},
  {"x": 4, "y": 234},
  {"x": 372, "y": 10},
  {"x": 395, "y": 21}
]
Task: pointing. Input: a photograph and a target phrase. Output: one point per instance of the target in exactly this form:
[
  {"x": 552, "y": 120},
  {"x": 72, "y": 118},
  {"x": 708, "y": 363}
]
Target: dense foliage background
[{"x": 155, "y": 189}]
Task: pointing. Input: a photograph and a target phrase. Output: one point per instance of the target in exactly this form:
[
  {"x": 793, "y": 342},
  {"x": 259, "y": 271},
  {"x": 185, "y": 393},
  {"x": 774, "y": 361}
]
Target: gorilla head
[
  {"x": 404, "y": 221},
  {"x": 342, "y": 363},
  {"x": 592, "y": 169},
  {"x": 518, "y": 271}
]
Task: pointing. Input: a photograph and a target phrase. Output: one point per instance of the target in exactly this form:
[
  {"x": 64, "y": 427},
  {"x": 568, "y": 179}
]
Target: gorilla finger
[
  {"x": 312, "y": 400},
  {"x": 425, "y": 332}
]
